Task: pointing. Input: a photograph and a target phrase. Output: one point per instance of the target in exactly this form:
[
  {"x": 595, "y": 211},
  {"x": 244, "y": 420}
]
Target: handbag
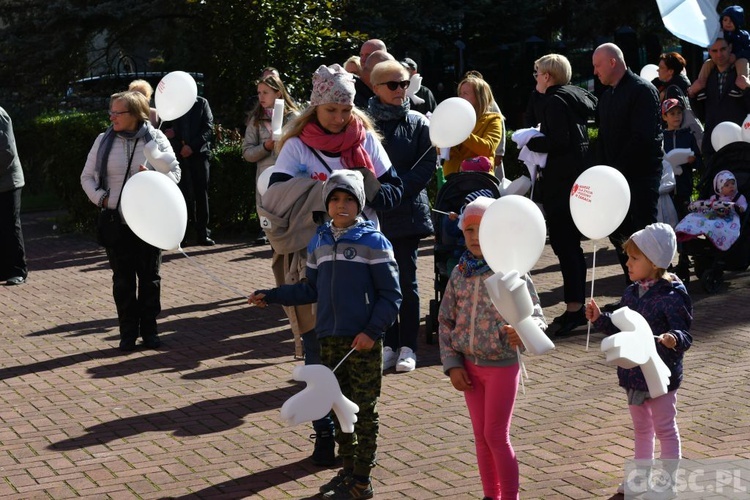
[
  {"x": 108, "y": 228},
  {"x": 109, "y": 222}
]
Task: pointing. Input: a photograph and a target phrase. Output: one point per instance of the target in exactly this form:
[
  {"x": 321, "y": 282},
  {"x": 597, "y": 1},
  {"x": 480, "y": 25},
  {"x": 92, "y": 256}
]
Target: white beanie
[
  {"x": 657, "y": 242},
  {"x": 474, "y": 211}
]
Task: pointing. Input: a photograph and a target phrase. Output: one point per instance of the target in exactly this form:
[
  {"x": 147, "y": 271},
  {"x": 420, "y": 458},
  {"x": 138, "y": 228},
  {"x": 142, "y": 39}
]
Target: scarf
[
  {"x": 469, "y": 266},
  {"x": 349, "y": 143},
  {"x": 105, "y": 147},
  {"x": 644, "y": 285},
  {"x": 386, "y": 112}
]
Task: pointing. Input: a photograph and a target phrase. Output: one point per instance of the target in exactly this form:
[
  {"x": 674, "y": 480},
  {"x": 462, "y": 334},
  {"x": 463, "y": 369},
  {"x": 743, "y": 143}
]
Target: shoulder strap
[
  {"x": 320, "y": 159},
  {"x": 127, "y": 172}
]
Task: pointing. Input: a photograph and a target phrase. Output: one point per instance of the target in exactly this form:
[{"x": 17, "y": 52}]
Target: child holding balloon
[
  {"x": 661, "y": 298},
  {"x": 352, "y": 275},
  {"x": 478, "y": 352}
]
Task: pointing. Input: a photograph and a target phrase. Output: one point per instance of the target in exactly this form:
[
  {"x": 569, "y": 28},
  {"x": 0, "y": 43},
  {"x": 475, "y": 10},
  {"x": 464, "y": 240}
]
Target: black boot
[{"x": 324, "y": 453}]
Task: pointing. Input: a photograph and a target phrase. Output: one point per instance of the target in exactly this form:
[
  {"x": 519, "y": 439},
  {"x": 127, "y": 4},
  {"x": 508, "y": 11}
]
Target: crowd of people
[{"x": 346, "y": 207}]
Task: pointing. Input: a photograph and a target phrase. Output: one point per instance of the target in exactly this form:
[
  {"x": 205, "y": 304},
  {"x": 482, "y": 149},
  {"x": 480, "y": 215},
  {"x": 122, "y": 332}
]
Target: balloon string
[
  {"x": 344, "y": 359},
  {"x": 440, "y": 212},
  {"x": 420, "y": 158},
  {"x": 523, "y": 370},
  {"x": 593, "y": 274},
  {"x": 208, "y": 273}
]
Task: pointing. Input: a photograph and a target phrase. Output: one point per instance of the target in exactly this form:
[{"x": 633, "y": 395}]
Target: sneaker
[
  {"x": 350, "y": 489},
  {"x": 569, "y": 321},
  {"x": 324, "y": 453},
  {"x": 340, "y": 478},
  {"x": 735, "y": 92},
  {"x": 407, "y": 360},
  {"x": 389, "y": 358}
]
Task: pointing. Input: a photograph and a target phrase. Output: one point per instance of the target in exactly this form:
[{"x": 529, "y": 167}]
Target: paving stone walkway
[{"x": 199, "y": 418}]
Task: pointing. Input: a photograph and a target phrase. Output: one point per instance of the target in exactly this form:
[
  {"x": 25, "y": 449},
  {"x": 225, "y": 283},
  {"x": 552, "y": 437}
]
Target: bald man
[
  {"x": 378, "y": 56},
  {"x": 630, "y": 139},
  {"x": 362, "y": 84}
]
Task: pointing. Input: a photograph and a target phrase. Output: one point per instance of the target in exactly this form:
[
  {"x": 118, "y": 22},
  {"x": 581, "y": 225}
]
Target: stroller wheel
[{"x": 712, "y": 279}]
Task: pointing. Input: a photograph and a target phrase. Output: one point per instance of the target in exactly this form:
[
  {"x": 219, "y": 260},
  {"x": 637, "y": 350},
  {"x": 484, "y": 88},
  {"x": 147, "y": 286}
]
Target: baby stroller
[
  {"x": 448, "y": 242},
  {"x": 709, "y": 263}
]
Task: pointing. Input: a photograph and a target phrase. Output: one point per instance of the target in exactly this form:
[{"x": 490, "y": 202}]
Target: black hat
[{"x": 409, "y": 63}]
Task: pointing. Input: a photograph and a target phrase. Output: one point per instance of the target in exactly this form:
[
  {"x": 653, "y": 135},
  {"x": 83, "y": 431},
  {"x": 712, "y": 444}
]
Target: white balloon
[
  {"x": 263, "y": 180},
  {"x": 512, "y": 234},
  {"x": 746, "y": 129},
  {"x": 649, "y": 72},
  {"x": 599, "y": 201},
  {"x": 175, "y": 95},
  {"x": 519, "y": 186},
  {"x": 725, "y": 133},
  {"x": 155, "y": 209},
  {"x": 452, "y": 122}
]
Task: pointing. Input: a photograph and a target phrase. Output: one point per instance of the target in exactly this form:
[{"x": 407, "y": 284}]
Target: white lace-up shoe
[{"x": 407, "y": 360}]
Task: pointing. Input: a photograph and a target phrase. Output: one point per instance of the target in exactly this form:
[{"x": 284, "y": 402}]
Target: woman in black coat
[
  {"x": 406, "y": 138},
  {"x": 562, "y": 111}
]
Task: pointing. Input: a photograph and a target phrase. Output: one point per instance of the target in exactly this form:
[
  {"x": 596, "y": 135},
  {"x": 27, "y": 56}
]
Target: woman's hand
[
  {"x": 460, "y": 379},
  {"x": 592, "y": 311},
  {"x": 362, "y": 342},
  {"x": 268, "y": 145}
]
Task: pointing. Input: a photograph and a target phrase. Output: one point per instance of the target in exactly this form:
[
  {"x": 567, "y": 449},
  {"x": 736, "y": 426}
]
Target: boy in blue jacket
[{"x": 352, "y": 275}]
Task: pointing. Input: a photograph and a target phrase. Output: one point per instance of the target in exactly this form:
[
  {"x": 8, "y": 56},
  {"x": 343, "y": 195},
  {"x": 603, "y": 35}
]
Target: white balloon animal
[
  {"x": 510, "y": 296},
  {"x": 634, "y": 346},
  {"x": 161, "y": 161},
  {"x": 318, "y": 398}
]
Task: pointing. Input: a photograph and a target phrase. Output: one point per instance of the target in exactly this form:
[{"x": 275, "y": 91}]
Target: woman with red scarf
[{"x": 331, "y": 134}]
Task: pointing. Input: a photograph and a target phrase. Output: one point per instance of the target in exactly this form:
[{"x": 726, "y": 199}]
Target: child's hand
[
  {"x": 513, "y": 338},
  {"x": 592, "y": 311},
  {"x": 452, "y": 215},
  {"x": 362, "y": 342},
  {"x": 667, "y": 340},
  {"x": 256, "y": 299},
  {"x": 460, "y": 379},
  {"x": 691, "y": 159}
]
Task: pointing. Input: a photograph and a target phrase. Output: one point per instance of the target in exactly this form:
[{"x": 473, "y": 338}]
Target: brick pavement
[{"x": 200, "y": 417}]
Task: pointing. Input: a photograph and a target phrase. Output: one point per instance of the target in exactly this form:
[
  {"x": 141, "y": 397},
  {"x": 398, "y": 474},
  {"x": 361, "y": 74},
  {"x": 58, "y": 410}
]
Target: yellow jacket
[{"x": 483, "y": 141}]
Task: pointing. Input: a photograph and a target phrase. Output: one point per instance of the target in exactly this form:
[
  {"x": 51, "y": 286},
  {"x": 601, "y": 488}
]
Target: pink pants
[
  {"x": 657, "y": 417},
  {"x": 490, "y": 404}
]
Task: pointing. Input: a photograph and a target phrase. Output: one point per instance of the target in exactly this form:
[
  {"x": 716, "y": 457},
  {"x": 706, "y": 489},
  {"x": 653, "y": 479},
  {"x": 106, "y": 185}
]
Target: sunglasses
[
  {"x": 118, "y": 113},
  {"x": 394, "y": 85}
]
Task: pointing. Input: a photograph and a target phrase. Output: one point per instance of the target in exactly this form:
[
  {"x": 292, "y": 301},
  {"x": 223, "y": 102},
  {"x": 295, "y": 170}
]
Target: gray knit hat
[
  {"x": 350, "y": 181},
  {"x": 657, "y": 242}
]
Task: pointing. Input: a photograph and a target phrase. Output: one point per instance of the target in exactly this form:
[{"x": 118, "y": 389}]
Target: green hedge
[{"x": 53, "y": 150}]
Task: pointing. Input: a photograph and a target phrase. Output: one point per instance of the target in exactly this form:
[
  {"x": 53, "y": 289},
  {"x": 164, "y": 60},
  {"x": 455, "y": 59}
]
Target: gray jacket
[{"x": 11, "y": 173}]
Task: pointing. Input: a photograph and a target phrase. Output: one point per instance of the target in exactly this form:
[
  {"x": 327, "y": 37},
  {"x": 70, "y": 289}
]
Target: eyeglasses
[
  {"x": 118, "y": 113},
  {"x": 394, "y": 85}
]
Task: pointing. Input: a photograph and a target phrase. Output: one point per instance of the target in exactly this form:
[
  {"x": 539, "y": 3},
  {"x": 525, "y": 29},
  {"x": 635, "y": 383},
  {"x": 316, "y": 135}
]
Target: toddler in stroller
[{"x": 718, "y": 219}]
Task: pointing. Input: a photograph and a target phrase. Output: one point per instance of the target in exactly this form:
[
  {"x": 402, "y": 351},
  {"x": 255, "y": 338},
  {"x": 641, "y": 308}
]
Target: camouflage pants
[{"x": 359, "y": 377}]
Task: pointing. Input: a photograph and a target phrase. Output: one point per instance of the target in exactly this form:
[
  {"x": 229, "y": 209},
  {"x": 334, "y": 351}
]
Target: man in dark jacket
[
  {"x": 423, "y": 100},
  {"x": 719, "y": 104},
  {"x": 630, "y": 139},
  {"x": 190, "y": 136}
]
